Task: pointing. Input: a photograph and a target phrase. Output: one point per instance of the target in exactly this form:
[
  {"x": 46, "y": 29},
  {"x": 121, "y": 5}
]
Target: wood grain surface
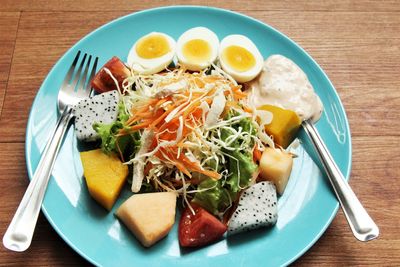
[{"x": 357, "y": 43}]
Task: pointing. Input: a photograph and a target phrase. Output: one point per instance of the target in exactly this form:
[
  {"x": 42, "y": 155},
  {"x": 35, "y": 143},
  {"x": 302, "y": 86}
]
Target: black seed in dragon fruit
[
  {"x": 102, "y": 108},
  {"x": 257, "y": 207}
]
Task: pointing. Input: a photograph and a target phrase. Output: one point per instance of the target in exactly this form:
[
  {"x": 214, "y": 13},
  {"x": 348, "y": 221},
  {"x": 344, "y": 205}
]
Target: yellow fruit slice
[
  {"x": 284, "y": 125},
  {"x": 149, "y": 216},
  {"x": 105, "y": 176}
]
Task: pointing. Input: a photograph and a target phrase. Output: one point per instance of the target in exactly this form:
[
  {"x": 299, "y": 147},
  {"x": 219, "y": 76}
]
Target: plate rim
[{"x": 183, "y": 7}]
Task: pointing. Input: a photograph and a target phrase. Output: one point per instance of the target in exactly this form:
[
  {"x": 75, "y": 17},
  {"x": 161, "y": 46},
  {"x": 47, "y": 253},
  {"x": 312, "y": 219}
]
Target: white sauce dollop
[{"x": 282, "y": 83}]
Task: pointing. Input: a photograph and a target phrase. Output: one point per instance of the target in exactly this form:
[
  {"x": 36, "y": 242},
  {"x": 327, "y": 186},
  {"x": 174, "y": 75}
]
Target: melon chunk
[
  {"x": 105, "y": 176},
  {"x": 149, "y": 216},
  {"x": 276, "y": 166},
  {"x": 284, "y": 125}
]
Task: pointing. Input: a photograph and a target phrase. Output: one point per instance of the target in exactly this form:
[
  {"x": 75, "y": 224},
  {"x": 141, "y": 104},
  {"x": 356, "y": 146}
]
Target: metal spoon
[{"x": 361, "y": 224}]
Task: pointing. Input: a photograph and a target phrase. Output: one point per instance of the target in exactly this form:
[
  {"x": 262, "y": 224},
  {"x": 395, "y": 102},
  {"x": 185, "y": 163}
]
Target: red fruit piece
[
  {"x": 199, "y": 229},
  {"x": 102, "y": 81}
]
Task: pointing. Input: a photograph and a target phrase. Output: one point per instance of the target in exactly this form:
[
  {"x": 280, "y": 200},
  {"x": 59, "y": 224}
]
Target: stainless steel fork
[{"x": 75, "y": 87}]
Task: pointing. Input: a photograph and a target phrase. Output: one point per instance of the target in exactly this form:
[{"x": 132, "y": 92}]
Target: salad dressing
[{"x": 282, "y": 83}]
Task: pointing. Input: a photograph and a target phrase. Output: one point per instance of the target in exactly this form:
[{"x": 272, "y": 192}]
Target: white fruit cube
[
  {"x": 276, "y": 166},
  {"x": 149, "y": 216}
]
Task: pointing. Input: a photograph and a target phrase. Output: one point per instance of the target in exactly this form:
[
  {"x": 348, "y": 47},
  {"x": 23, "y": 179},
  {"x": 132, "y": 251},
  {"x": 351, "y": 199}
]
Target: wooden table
[{"x": 357, "y": 43}]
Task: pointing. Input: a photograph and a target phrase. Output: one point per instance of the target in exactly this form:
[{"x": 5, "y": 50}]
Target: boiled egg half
[
  {"x": 152, "y": 53},
  {"x": 197, "y": 48},
  {"x": 240, "y": 58}
]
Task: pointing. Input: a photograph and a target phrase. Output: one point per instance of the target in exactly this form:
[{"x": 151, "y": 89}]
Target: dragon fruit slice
[
  {"x": 257, "y": 208},
  {"x": 102, "y": 108}
]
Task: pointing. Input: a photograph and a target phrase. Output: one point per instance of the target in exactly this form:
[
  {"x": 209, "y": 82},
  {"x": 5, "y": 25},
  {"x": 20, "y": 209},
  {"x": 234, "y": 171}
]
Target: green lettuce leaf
[
  {"x": 215, "y": 198},
  {"x": 219, "y": 195},
  {"x": 241, "y": 165},
  {"x": 242, "y": 168},
  {"x": 110, "y": 143}
]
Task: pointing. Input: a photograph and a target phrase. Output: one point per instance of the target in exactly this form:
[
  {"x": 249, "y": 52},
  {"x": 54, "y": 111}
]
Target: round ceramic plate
[{"x": 305, "y": 210}]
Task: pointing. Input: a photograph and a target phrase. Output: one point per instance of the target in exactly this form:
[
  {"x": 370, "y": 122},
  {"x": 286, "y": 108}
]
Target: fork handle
[
  {"x": 361, "y": 224},
  {"x": 19, "y": 233}
]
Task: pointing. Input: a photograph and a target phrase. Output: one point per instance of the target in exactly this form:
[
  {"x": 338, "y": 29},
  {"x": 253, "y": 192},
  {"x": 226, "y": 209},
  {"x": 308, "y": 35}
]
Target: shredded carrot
[
  {"x": 152, "y": 113},
  {"x": 172, "y": 157},
  {"x": 232, "y": 104},
  {"x": 195, "y": 166},
  {"x": 256, "y": 154},
  {"x": 199, "y": 83},
  {"x": 182, "y": 168},
  {"x": 247, "y": 109},
  {"x": 119, "y": 150},
  {"x": 140, "y": 126},
  {"x": 211, "y": 79},
  {"x": 147, "y": 168},
  {"x": 136, "y": 113},
  {"x": 159, "y": 118},
  {"x": 238, "y": 95},
  {"x": 162, "y": 101}
]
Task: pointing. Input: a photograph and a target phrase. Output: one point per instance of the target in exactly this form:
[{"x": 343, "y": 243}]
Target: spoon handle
[
  {"x": 19, "y": 233},
  {"x": 361, "y": 224}
]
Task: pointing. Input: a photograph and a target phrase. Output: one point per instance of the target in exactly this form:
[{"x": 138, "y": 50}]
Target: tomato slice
[
  {"x": 199, "y": 229},
  {"x": 103, "y": 82}
]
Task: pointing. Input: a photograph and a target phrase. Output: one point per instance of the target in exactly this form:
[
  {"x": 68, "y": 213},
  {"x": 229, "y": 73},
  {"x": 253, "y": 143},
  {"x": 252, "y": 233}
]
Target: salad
[{"x": 204, "y": 123}]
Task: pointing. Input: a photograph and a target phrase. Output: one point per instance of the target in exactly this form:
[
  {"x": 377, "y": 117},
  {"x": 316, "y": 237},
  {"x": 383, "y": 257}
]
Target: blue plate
[{"x": 305, "y": 210}]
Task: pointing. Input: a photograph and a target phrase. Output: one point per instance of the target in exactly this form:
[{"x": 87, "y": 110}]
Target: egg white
[
  {"x": 154, "y": 65},
  {"x": 242, "y": 41},
  {"x": 201, "y": 33}
]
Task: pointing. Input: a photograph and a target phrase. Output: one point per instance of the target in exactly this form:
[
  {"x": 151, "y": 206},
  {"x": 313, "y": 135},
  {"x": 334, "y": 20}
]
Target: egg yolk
[
  {"x": 238, "y": 58},
  {"x": 152, "y": 46},
  {"x": 197, "y": 51}
]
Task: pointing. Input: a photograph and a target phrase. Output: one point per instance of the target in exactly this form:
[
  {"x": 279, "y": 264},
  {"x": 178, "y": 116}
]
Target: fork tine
[
  {"x": 71, "y": 70},
  {"x": 78, "y": 73},
  {"x": 94, "y": 68},
  {"x": 84, "y": 91},
  {"x": 92, "y": 74},
  {"x": 82, "y": 80}
]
